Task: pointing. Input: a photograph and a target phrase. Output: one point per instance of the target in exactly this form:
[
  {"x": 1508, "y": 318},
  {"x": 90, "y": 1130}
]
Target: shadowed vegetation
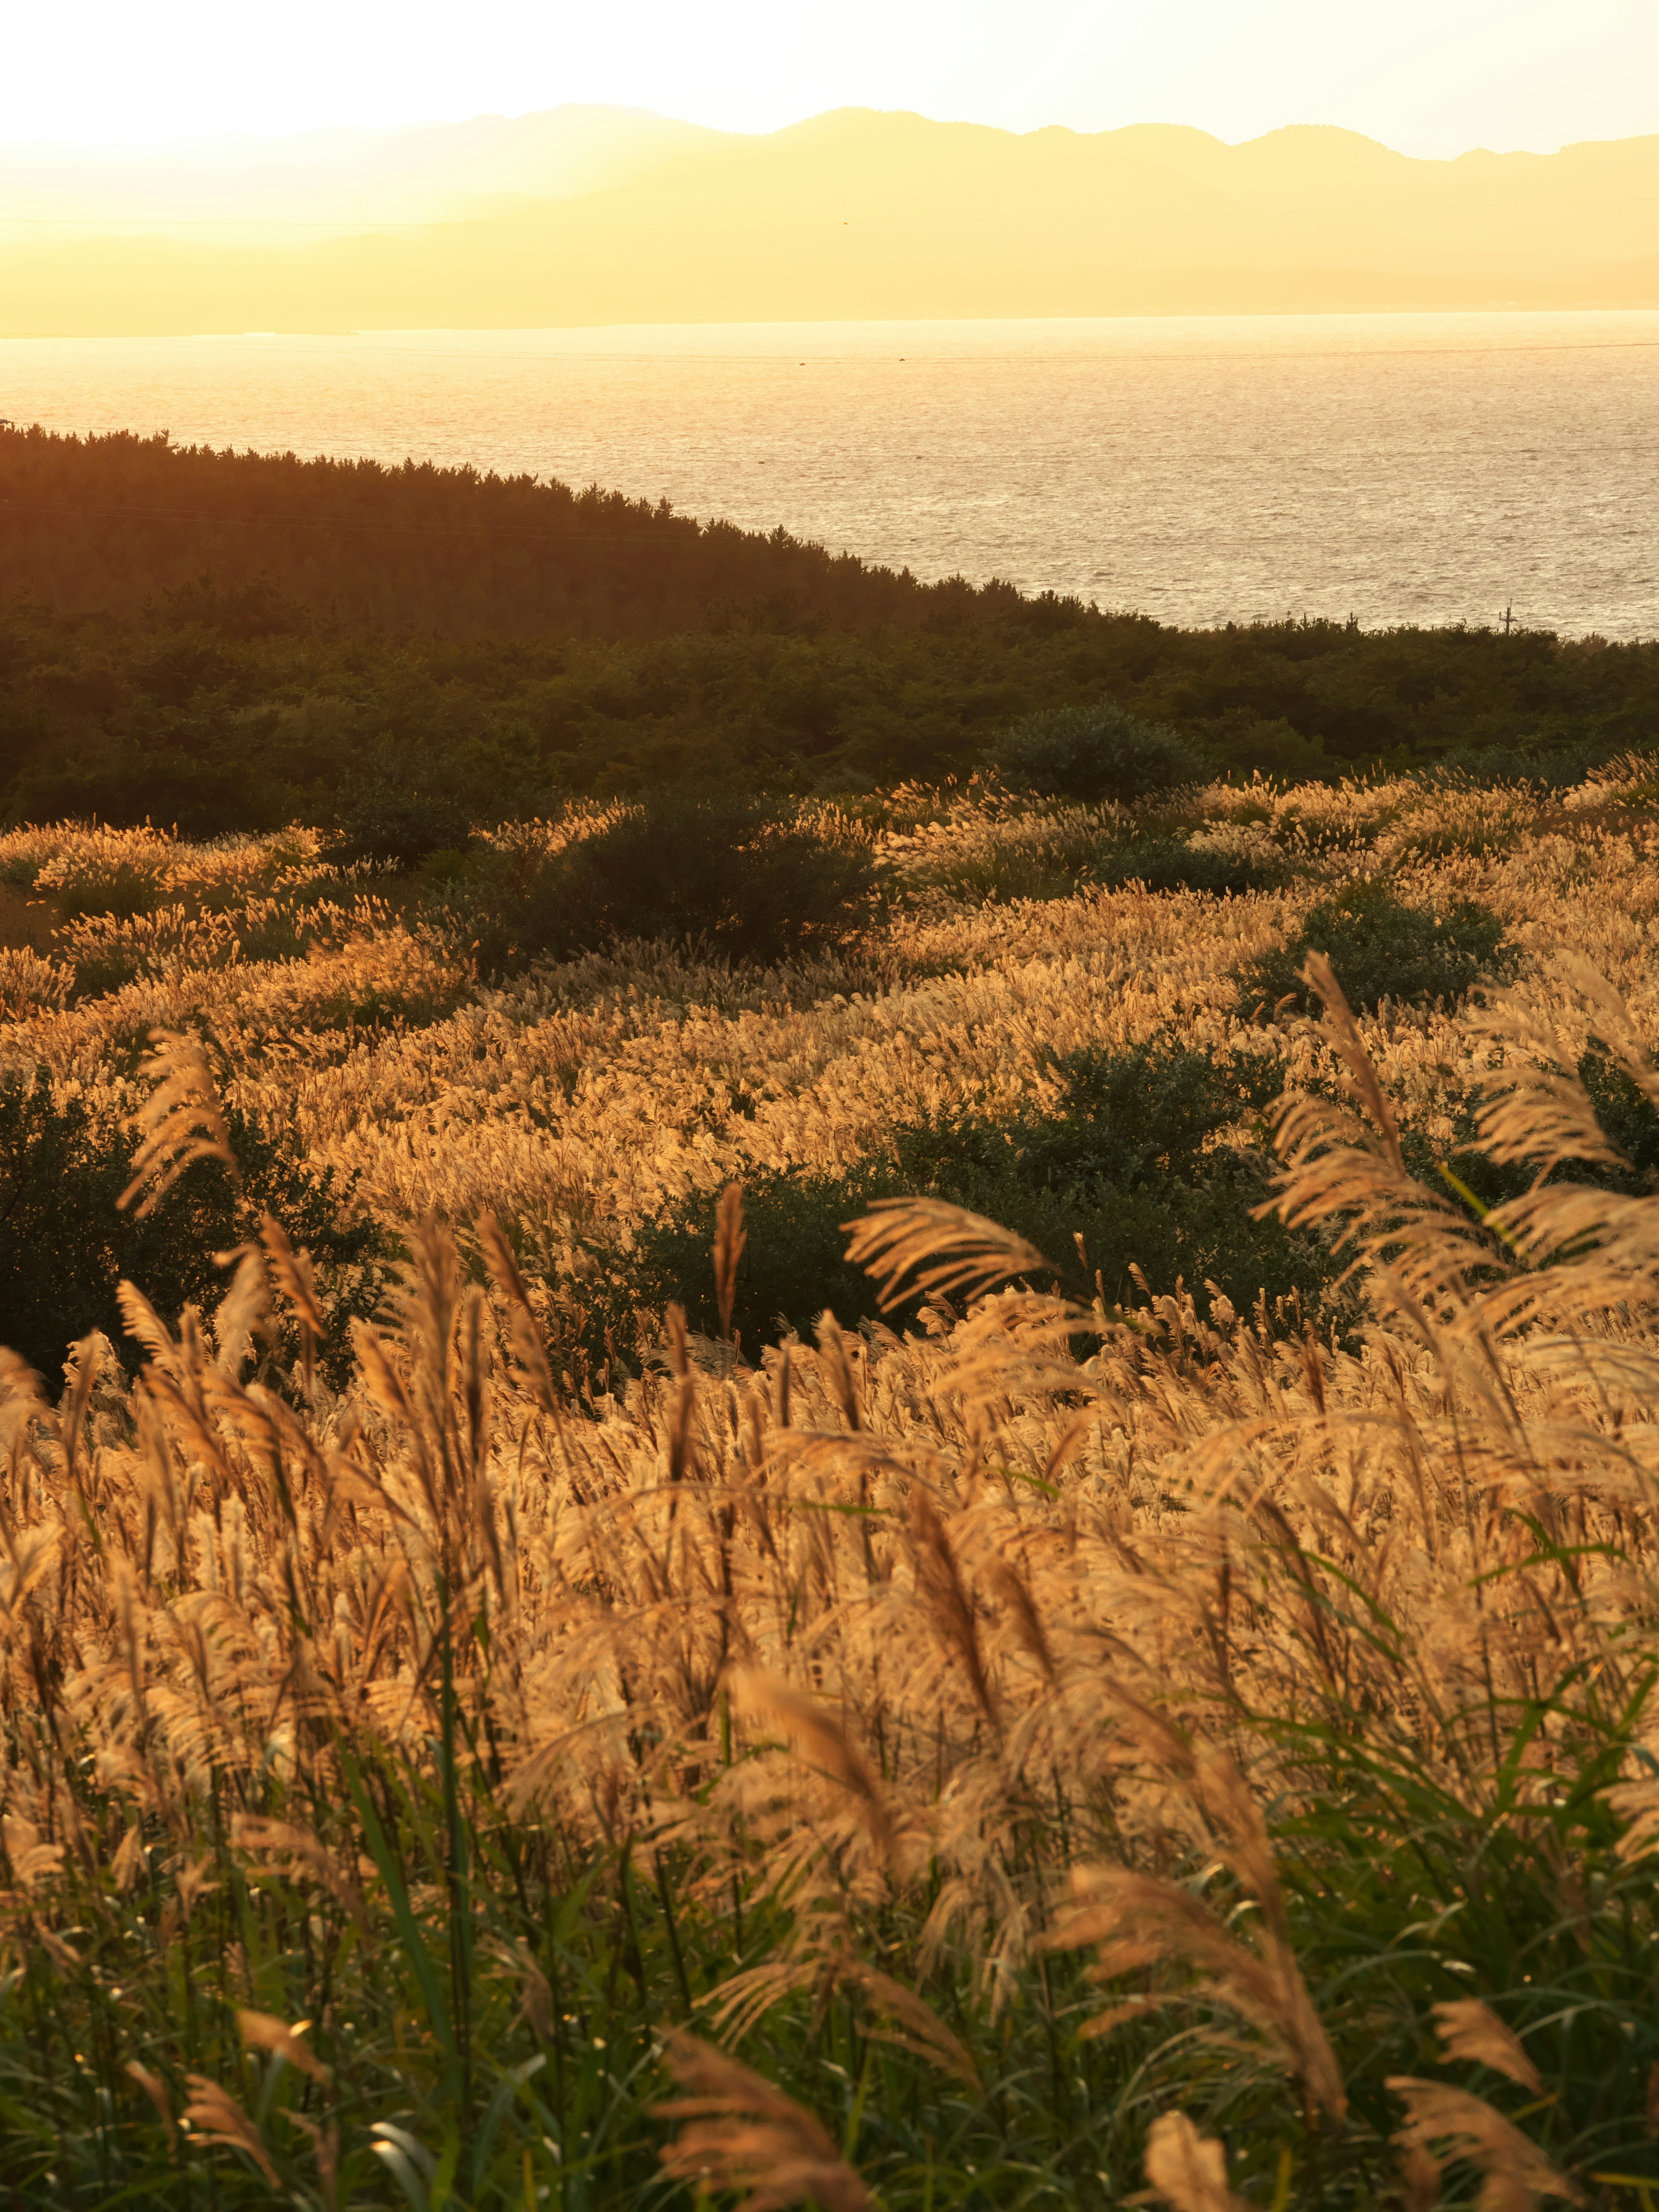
[
  {"x": 66, "y": 1242},
  {"x": 224, "y": 641},
  {"x": 1383, "y": 947}
]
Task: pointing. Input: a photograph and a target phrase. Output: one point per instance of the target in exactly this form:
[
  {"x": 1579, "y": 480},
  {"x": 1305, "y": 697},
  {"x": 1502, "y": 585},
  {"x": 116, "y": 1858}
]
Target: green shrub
[
  {"x": 793, "y": 1266},
  {"x": 1454, "y": 1162},
  {"x": 1381, "y": 947},
  {"x": 65, "y": 1245},
  {"x": 999, "y": 875},
  {"x": 1093, "y": 753},
  {"x": 400, "y": 805},
  {"x": 1628, "y": 1120},
  {"x": 1241, "y": 742},
  {"x": 742, "y": 874},
  {"x": 1549, "y": 767},
  {"x": 1079, "y": 853},
  {"x": 1128, "y": 1163}
]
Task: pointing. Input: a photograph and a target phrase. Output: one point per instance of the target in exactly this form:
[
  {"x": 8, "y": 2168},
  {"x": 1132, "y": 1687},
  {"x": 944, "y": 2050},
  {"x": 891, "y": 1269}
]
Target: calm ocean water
[{"x": 1401, "y": 468}]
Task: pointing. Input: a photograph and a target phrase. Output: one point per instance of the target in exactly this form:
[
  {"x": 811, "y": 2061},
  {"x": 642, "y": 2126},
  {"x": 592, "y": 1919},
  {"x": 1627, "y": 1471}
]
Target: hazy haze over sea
[{"x": 1401, "y": 468}]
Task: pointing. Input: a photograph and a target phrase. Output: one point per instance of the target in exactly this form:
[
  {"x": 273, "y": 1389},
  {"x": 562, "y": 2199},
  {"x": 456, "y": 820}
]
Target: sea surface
[{"x": 1435, "y": 468}]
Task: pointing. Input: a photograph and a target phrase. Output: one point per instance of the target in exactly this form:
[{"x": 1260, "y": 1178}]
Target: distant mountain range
[{"x": 585, "y": 216}]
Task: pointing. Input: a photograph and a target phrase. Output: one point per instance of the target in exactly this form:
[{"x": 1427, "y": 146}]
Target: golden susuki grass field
[{"x": 1052, "y": 1746}]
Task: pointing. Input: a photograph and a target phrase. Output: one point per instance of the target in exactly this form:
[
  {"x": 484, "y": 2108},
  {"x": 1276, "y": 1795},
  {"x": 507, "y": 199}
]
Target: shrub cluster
[
  {"x": 199, "y": 638},
  {"x": 1093, "y": 752},
  {"x": 1381, "y": 946},
  {"x": 66, "y": 1244},
  {"x": 736, "y": 873},
  {"x": 1171, "y": 864},
  {"x": 1153, "y": 1159}
]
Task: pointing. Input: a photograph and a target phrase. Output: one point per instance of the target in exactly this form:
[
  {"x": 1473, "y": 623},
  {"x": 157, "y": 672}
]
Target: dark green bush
[
  {"x": 1456, "y": 1161},
  {"x": 1548, "y": 767},
  {"x": 793, "y": 1266},
  {"x": 1093, "y": 753},
  {"x": 401, "y": 804},
  {"x": 1128, "y": 1163},
  {"x": 1628, "y": 1120},
  {"x": 1381, "y": 947},
  {"x": 64, "y": 1245},
  {"x": 742, "y": 874}
]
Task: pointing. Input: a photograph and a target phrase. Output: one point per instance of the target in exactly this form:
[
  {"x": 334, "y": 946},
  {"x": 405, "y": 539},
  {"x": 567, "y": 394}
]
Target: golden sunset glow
[
  {"x": 593, "y": 216},
  {"x": 1428, "y": 76},
  {"x": 829, "y": 1107}
]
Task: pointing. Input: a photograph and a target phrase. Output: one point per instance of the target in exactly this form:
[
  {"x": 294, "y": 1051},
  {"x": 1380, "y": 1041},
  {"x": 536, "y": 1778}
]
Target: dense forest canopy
[{"x": 219, "y": 639}]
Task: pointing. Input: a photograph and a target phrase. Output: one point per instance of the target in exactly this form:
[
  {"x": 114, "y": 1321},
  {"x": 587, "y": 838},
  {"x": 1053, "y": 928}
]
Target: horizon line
[{"x": 152, "y": 149}]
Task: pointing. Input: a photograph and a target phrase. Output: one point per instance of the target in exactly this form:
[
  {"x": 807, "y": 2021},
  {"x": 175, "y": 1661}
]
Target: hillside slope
[{"x": 226, "y": 640}]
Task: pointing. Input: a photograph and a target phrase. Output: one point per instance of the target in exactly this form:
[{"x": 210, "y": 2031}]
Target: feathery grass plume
[
  {"x": 1537, "y": 1113},
  {"x": 30, "y": 983},
  {"x": 239, "y": 1315},
  {"x": 950, "y": 1603},
  {"x": 922, "y": 1246},
  {"x": 523, "y": 1329},
  {"x": 215, "y": 2116},
  {"x": 917, "y": 2027},
  {"x": 1136, "y": 1920},
  {"x": 21, "y": 1398},
  {"x": 263, "y": 2030},
  {"x": 432, "y": 1681},
  {"x": 156, "y": 2089},
  {"x": 34, "y": 1860},
  {"x": 730, "y": 1238},
  {"x": 1533, "y": 1109},
  {"x": 296, "y": 1279},
  {"x": 1027, "y": 1622},
  {"x": 824, "y": 1740},
  {"x": 293, "y": 1848},
  {"x": 325, "y": 2144},
  {"x": 906, "y": 2021},
  {"x": 1348, "y": 1175},
  {"x": 1188, "y": 2170},
  {"x": 1469, "y": 2029},
  {"x": 738, "y": 2132},
  {"x": 1444, "y": 2124},
  {"x": 180, "y": 1122}
]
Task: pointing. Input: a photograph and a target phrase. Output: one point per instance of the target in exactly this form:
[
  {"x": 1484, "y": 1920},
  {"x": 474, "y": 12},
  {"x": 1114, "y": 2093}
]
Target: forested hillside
[{"x": 226, "y": 641}]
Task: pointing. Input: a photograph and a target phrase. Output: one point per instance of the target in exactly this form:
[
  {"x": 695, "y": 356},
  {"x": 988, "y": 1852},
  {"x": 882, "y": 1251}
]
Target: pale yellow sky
[{"x": 1426, "y": 77}]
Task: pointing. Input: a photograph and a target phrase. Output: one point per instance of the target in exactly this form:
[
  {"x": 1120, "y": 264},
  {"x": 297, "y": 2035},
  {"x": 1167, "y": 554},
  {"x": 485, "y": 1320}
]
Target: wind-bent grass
[{"x": 1052, "y": 1752}]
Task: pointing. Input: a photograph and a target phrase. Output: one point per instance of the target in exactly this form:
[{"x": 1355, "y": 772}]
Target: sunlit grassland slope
[{"x": 1171, "y": 1712}]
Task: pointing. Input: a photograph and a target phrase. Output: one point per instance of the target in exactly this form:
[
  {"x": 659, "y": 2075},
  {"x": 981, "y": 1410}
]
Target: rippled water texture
[{"x": 1402, "y": 468}]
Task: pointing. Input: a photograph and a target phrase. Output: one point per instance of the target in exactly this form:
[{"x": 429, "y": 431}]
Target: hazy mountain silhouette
[{"x": 600, "y": 215}]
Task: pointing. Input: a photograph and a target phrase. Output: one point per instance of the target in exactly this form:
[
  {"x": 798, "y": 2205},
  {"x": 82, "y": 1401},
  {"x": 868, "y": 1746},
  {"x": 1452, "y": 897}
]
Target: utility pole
[{"x": 1508, "y": 620}]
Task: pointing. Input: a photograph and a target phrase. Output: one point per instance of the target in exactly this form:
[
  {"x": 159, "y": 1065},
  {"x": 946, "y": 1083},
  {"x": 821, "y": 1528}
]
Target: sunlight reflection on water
[{"x": 1421, "y": 468}]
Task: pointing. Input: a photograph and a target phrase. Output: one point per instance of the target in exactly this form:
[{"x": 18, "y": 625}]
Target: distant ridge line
[{"x": 590, "y": 216}]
